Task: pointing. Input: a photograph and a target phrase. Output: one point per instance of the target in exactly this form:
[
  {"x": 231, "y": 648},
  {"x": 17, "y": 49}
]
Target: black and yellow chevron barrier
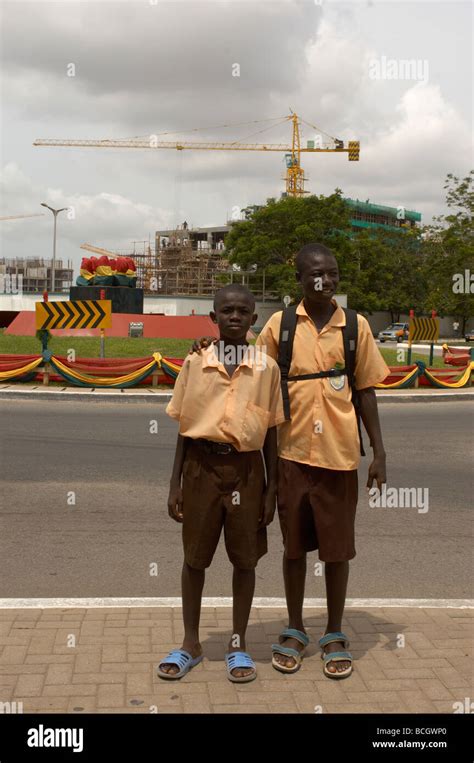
[
  {"x": 423, "y": 330},
  {"x": 80, "y": 314}
]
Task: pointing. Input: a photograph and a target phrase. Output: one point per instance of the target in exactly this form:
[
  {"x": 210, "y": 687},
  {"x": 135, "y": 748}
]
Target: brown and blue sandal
[
  {"x": 288, "y": 651},
  {"x": 341, "y": 656}
]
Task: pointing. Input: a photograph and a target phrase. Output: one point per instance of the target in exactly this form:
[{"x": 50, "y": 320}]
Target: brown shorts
[
  {"x": 223, "y": 491},
  {"x": 317, "y": 509}
]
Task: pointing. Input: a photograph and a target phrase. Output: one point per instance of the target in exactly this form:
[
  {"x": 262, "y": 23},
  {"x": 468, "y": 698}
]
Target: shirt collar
[
  {"x": 209, "y": 357},
  {"x": 338, "y": 318}
]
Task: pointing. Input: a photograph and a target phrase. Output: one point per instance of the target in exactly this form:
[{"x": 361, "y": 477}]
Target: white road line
[{"x": 226, "y": 601}]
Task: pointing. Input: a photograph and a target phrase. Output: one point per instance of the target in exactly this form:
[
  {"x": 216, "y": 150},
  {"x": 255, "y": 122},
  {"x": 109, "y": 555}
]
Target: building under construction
[
  {"x": 34, "y": 273},
  {"x": 193, "y": 261},
  {"x": 190, "y": 261},
  {"x": 186, "y": 262}
]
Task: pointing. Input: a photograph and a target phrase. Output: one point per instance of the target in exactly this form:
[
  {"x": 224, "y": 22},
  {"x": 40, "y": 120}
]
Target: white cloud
[
  {"x": 411, "y": 135},
  {"x": 108, "y": 220},
  {"x": 408, "y": 159},
  {"x": 143, "y": 69}
]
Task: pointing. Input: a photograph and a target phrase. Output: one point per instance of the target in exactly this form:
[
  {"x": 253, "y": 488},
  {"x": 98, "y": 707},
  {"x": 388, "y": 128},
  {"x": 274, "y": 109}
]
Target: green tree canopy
[
  {"x": 449, "y": 253},
  {"x": 380, "y": 269},
  {"x": 274, "y": 233}
]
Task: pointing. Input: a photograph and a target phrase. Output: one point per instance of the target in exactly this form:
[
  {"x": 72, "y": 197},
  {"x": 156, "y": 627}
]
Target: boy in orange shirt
[
  {"x": 318, "y": 448},
  {"x": 227, "y": 400}
]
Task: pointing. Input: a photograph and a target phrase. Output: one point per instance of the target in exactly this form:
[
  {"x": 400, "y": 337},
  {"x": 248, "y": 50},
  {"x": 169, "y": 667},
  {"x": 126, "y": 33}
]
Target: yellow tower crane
[{"x": 294, "y": 172}]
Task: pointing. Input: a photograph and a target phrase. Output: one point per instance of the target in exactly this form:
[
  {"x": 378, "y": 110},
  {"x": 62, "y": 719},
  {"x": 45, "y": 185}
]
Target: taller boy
[{"x": 319, "y": 452}]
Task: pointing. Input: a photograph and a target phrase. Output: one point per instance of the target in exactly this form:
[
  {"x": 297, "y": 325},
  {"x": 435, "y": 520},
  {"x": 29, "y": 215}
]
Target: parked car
[
  {"x": 469, "y": 336},
  {"x": 396, "y": 332}
]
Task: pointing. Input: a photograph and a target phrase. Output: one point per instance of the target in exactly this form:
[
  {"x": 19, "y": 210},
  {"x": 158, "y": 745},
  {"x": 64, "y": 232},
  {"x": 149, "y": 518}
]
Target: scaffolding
[{"x": 181, "y": 266}]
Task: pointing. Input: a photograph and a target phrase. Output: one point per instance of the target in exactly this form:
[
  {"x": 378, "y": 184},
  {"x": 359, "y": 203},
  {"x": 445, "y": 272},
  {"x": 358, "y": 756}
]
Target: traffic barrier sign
[{"x": 81, "y": 314}]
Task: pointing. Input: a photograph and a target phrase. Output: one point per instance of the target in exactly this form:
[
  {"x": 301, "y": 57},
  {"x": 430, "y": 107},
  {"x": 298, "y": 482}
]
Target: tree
[
  {"x": 388, "y": 275},
  {"x": 448, "y": 252},
  {"x": 381, "y": 269},
  {"x": 272, "y": 235}
]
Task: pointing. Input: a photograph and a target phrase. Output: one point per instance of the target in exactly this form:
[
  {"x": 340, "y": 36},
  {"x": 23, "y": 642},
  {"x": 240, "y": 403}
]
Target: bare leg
[
  {"x": 337, "y": 575},
  {"x": 192, "y": 583},
  {"x": 294, "y": 575},
  {"x": 243, "y": 587}
]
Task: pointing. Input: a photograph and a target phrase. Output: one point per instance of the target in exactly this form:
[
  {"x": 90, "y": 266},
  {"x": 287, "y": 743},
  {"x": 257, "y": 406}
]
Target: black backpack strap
[
  {"x": 349, "y": 338},
  {"x": 285, "y": 351}
]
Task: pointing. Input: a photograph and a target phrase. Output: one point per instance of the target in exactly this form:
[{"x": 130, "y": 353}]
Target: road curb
[
  {"x": 90, "y": 397},
  {"x": 426, "y": 397},
  {"x": 442, "y": 396},
  {"x": 258, "y": 602}
]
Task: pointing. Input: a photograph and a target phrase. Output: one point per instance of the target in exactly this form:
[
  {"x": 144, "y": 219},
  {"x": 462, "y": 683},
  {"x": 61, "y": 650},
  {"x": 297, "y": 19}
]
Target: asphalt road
[{"x": 119, "y": 472}]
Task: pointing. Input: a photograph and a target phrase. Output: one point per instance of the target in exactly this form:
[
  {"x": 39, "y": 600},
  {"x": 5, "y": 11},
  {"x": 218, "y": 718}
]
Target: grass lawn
[
  {"x": 89, "y": 347},
  {"x": 137, "y": 347},
  {"x": 390, "y": 357}
]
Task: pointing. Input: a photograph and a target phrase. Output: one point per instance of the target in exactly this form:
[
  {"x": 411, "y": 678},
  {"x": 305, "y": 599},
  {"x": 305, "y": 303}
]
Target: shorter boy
[{"x": 227, "y": 400}]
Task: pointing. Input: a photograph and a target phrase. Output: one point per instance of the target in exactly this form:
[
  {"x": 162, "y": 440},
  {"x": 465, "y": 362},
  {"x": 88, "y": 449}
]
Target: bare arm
[
  {"x": 175, "y": 498},
  {"x": 178, "y": 460},
  {"x": 370, "y": 417},
  {"x": 270, "y": 454}
]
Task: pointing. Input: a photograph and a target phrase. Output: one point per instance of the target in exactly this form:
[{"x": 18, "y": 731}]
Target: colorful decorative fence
[
  {"x": 131, "y": 372},
  {"x": 419, "y": 375},
  {"x": 90, "y": 372}
]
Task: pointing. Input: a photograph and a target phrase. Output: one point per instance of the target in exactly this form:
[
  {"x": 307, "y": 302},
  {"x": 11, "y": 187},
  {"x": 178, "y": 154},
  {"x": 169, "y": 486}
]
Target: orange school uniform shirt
[
  {"x": 323, "y": 427},
  {"x": 237, "y": 409}
]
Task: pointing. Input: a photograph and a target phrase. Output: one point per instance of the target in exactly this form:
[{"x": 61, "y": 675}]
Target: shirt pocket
[
  {"x": 254, "y": 426},
  {"x": 341, "y": 398}
]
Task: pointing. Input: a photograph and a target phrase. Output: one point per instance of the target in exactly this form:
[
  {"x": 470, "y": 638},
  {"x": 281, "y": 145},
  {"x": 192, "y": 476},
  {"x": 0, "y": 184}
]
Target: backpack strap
[
  {"x": 285, "y": 351},
  {"x": 349, "y": 338}
]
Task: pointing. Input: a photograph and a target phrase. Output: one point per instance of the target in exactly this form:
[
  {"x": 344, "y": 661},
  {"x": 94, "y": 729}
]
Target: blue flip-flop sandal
[
  {"x": 240, "y": 660},
  {"x": 182, "y": 659},
  {"x": 288, "y": 651},
  {"x": 330, "y": 638}
]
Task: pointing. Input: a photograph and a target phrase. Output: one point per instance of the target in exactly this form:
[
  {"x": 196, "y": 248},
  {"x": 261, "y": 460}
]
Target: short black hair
[
  {"x": 307, "y": 251},
  {"x": 234, "y": 288}
]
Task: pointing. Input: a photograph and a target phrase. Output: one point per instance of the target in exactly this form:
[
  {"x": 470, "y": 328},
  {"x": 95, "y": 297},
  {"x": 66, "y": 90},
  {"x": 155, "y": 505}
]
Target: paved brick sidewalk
[{"x": 111, "y": 668}]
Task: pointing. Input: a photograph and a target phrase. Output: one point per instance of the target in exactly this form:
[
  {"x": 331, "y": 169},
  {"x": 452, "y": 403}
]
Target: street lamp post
[{"x": 53, "y": 268}]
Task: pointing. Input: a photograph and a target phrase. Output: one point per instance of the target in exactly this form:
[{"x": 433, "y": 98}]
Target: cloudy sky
[{"x": 145, "y": 67}]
